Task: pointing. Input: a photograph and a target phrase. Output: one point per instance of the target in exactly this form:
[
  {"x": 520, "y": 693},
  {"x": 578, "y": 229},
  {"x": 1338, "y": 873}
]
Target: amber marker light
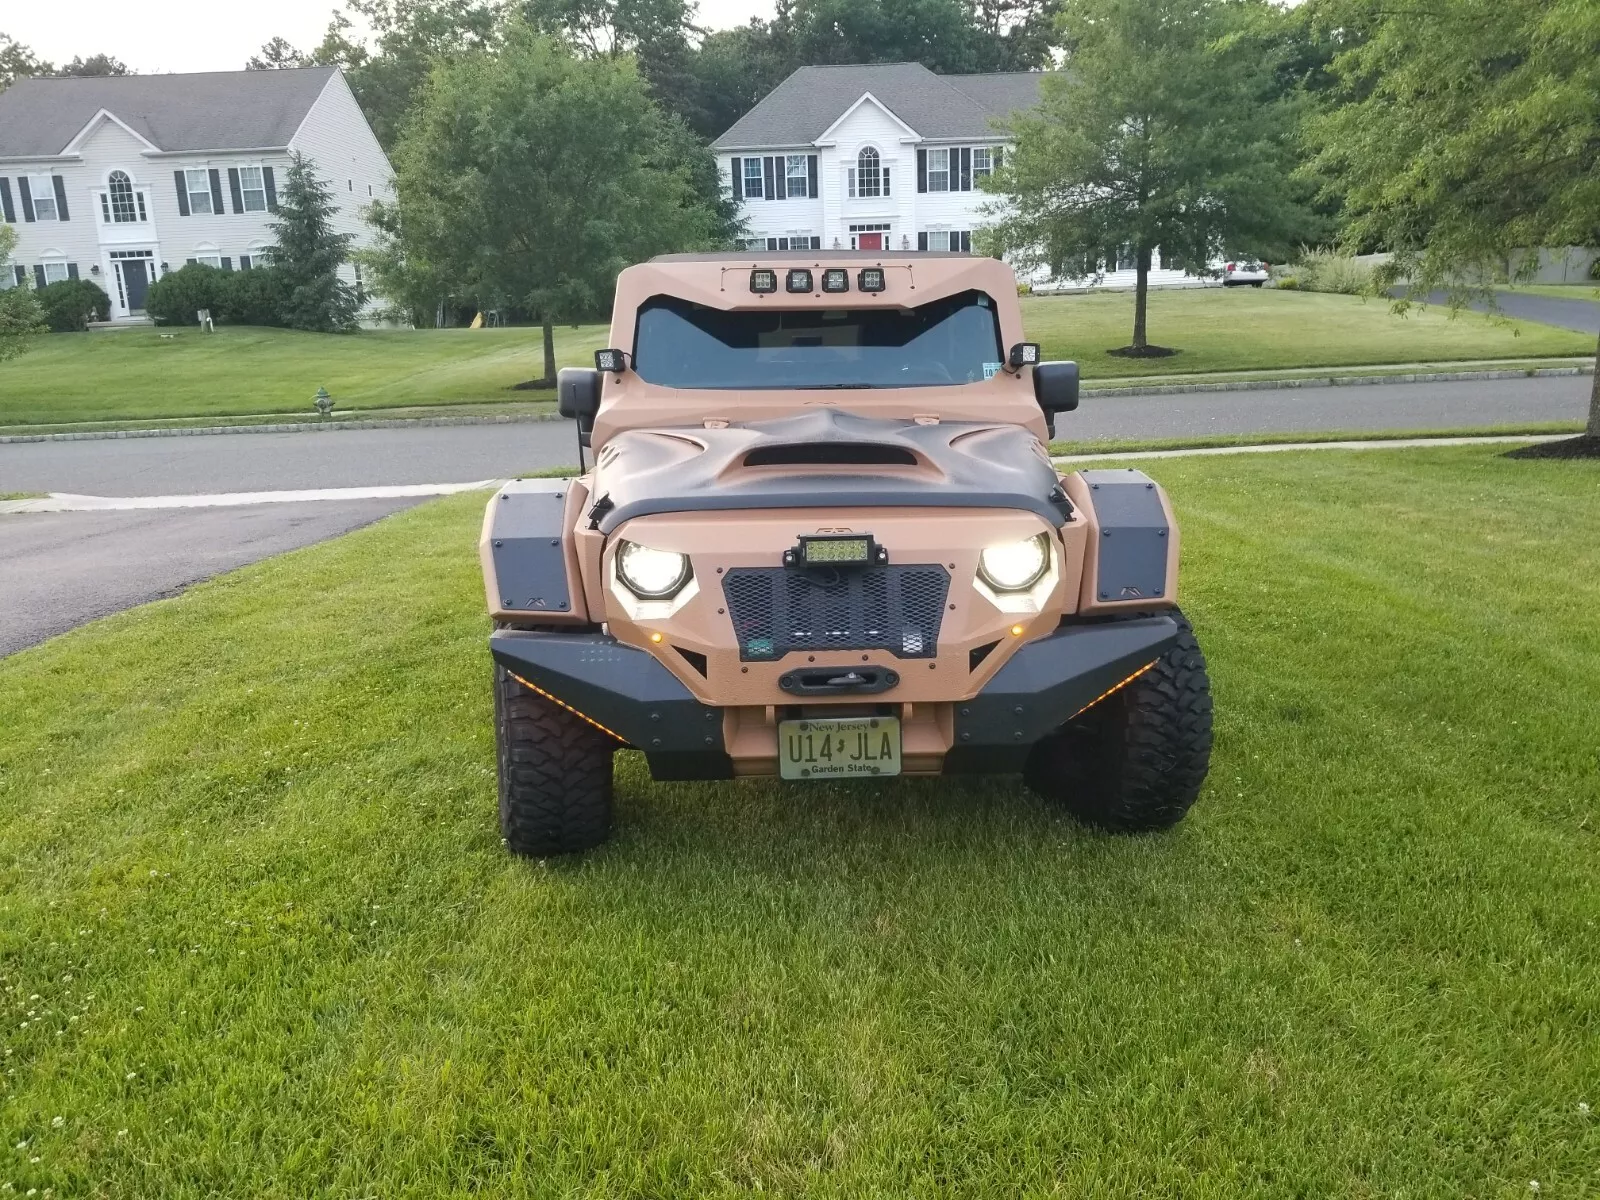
[
  {"x": 655, "y": 637},
  {"x": 1016, "y": 631}
]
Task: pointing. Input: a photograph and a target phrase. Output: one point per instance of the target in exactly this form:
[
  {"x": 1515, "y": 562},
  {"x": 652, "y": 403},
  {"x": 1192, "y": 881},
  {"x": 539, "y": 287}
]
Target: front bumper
[{"x": 628, "y": 693}]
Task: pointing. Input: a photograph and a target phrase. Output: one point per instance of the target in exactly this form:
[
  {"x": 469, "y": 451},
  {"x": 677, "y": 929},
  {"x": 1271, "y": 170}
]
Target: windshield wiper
[{"x": 823, "y": 387}]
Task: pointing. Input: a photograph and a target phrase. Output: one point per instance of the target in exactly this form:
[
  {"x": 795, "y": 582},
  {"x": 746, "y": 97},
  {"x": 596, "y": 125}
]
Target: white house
[
  {"x": 881, "y": 156},
  {"x": 122, "y": 179}
]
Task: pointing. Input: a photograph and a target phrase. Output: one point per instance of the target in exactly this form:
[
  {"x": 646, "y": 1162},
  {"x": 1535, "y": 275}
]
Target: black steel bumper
[{"x": 631, "y": 695}]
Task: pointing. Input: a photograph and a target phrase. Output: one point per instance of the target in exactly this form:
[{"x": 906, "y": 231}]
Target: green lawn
[
  {"x": 1561, "y": 291},
  {"x": 145, "y": 374},
  {"x": 1240, "y": 329},
  {"x": 185, "y": 373},
  {"x": 259, "y": 937}
]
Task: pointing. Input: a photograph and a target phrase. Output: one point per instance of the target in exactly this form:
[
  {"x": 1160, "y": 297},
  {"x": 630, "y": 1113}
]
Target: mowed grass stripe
[{"x": 1366, "y": 964}]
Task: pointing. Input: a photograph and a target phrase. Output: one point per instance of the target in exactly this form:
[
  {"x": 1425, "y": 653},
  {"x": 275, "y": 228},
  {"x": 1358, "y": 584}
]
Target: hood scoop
[{"x": 830, "y": 454}]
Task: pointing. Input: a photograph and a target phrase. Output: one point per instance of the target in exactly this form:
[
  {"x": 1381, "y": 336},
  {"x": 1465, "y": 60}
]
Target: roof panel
[{"x": 216, "y": 110}]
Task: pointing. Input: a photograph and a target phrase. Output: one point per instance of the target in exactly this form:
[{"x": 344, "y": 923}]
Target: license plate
[{"x": 839, "y": 748}]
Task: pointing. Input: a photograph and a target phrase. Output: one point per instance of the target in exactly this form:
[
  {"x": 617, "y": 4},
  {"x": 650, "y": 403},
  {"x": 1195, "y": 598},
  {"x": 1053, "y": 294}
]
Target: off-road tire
[
  {"x": 1134, "y": 762},
  {"x": 555, "y": 773}
]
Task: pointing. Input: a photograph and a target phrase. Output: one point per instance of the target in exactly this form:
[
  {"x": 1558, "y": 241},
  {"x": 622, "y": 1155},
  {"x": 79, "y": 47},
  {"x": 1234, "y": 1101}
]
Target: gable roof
[
  {"x": 213, "y": 110},
  {"x": 803, "y": 106}
]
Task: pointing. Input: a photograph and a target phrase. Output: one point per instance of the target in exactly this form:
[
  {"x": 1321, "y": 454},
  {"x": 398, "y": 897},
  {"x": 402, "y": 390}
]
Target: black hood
[{"x": 867, "y": 461}]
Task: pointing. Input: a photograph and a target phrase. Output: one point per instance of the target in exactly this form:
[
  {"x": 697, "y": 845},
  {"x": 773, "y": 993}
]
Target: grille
[{"x": 778, "y": 610}]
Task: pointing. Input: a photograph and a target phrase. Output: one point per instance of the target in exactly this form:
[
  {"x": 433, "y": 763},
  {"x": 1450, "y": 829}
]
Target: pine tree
[{"x": 308, "y": 255}]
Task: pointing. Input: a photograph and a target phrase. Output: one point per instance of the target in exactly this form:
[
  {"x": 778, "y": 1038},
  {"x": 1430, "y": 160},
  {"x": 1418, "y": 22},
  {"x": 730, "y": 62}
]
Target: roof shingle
[
  {"x": 800, "y": 109},
  {"x": 215, "y": 110}
]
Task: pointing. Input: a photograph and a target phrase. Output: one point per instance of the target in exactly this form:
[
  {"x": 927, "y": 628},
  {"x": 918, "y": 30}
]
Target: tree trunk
[
  {"x": 1141, "y": 293},
  {"x": 549, "y": 379},
  {"x": 1594, "y": 399}
]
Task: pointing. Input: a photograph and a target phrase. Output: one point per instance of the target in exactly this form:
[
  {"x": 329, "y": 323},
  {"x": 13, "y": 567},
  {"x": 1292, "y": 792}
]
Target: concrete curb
[
  {"x": 1322, "y": 381},
  {"x": 283, "y": 427},
  {"x": 1174, "y": 389}
]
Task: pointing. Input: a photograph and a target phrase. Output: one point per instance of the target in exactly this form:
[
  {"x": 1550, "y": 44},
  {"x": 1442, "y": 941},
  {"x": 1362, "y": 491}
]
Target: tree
[
  {"x": 278, "y": 55},
  {"x": 21, "y": 318},
  {"x": 1469, "y": 134},
  {"x": 528, "y": 178},
  {"x": 1164, "y": 130},
  {"x": 96, "y": 64},
  {"x": 18, "y": 62},
  {"x": 308, "y": 254}
]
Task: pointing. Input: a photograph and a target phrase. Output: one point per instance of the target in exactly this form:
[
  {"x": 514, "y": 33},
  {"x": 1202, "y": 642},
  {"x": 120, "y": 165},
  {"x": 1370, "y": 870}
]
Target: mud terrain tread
[
  {"x": 1135, "y": 762},
  {"x": 555, "y": 774}
]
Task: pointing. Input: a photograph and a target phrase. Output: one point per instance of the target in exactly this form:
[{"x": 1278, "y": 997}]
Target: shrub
[
  {"x": 21, "y": 320},
  {"x": 254, "y": 297},
  {"x": 71, "y": 304},
  {"x": 1594, "y": 268},
  {"x": 1329, "y": 271},
  {"x": 177, "y": 296}
]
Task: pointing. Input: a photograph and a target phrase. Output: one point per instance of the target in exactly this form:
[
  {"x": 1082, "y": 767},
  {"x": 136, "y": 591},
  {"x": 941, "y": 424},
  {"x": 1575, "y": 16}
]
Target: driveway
[{"x": 1578, "y": 314}]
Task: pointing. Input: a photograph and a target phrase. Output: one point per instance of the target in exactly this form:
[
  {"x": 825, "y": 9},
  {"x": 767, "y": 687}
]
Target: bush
[
  {"x": 1594, "y": 268},
  {"x": 1328, "y": 271},
  {"x": 177, "y": 296},
  {"x": 71, "y": 304},
  {"x": 254, "y": 297},
  {"x": 21, "y": 320}
]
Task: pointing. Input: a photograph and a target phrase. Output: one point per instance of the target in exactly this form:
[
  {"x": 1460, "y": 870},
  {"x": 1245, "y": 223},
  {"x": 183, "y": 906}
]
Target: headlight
[
  {"x": 651, "y": 574},
  {"x": 1015, "y": 566}
]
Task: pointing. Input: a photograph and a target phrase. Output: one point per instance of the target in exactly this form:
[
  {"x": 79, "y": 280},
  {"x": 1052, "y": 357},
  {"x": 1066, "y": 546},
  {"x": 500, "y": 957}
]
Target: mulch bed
[{"x": 1583, "y": 446}]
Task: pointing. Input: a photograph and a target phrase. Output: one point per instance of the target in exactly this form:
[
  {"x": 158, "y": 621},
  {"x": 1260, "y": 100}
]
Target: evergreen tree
[{"x": 308, "y": 255}]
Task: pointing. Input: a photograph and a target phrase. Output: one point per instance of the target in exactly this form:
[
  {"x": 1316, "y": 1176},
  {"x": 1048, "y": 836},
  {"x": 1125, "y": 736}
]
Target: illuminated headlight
[
  {"x": 651, "y": 574},
  {"x": 1015, "y": 566}
]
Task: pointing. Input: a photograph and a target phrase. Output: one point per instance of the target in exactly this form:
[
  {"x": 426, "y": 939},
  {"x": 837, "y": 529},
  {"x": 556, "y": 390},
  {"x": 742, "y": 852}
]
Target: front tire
[
  {"x": 555, "y": 773},
  {"x": 1134, "y": 761}
]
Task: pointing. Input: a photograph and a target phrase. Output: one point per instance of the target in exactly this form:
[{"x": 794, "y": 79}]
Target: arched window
[
  {"x": 869, "y": 173},
  {"x": 123, "y": 209}
]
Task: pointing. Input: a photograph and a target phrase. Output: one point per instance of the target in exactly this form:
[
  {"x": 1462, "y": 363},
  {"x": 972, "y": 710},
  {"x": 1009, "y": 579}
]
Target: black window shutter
[
  {"x": 216, "y": 192},
  {"x": 816, "y": 242},
  {"x": 271, "y": 185},
  {"x": 922, "y": 170},
  {"x": 780, "y": 175},
  {"x": 21, "y": 272},
  {"x": 227, "y": 264},
  {"x": 72, "y": 270},
  {"x": 182, "y": 180},
  {"x": 244, "y": 262},
  {"x": 966, "y": 241},
  {"x": 922, "y": 239},
  {"x": 189, "y": 262},
  {"x": 966, "y": 168},
  {"x": 233, "y": 186},
  {"x": 6, "y": 210},
  {"x": 38, "y": 273},
  {"x": 61, "y": 198},
  {"x": 738, "y": 179},
  {"x": 770, "y": 177},
  {"x": 811, "y": 181},
  {"x": 995, "y": 156},
  {"x": 26, "y": 193}
]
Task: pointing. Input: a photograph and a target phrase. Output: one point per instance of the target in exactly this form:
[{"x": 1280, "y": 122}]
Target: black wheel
[
  {"x": 1134, "y": 761},
  {"x": 555, "y": 773},
  {"x": 1258, "y": 283}
]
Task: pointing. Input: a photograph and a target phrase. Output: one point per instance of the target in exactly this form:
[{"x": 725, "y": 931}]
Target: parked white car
[{"x": 1237, "y": 274}]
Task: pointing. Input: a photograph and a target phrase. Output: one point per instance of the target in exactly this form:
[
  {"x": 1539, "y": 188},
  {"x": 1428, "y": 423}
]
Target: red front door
[{"x": 869, "y": 241}]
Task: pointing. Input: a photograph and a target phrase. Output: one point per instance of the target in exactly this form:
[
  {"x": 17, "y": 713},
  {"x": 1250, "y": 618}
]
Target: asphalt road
[
  {"x": 1582, "y": 315},
  {"x": 59, "y": 570},
  {"x": 248, "y": 462}
]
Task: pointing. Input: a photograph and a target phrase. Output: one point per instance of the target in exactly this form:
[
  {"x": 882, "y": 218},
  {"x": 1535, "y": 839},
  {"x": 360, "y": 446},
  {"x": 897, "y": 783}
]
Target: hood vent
[{"x": 830, "y": 454}]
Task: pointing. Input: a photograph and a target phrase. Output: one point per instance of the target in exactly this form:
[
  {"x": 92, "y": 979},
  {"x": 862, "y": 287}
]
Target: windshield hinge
[
  {"x": 716, "y": 423},
  {"x": 925, "y": 419}
]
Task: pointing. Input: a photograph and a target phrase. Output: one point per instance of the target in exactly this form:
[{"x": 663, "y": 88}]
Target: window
[
  {"x": 44, "y": 199},
  {"x": 198, "y": 184},
  {"x": 252, "y": 189},
  {"x": 938, "y": 170},
  {"x": 803, "y": 241},
  {"x": 938, "y": 239},
  {"x": 982, "y": 162},
  {"x": 208, "y": 259},
  {"x": 120, "y": 191},
  {"x": 752, "y": 178},
  {"x": 797, "y": 176},
  {"x": 55, "y": 272},
  {"x": 869, "y": 237},
  {"x": 869, "y": 174},
  {"x": 952, "y": 340}
]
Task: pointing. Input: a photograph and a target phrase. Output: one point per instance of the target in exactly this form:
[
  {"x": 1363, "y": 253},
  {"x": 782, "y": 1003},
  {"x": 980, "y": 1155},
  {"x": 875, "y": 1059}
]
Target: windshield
[{"x": 684, "y": 345}]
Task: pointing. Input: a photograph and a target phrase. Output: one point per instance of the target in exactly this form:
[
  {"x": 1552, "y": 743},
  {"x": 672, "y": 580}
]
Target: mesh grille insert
[{"x": 778, "y": 610}]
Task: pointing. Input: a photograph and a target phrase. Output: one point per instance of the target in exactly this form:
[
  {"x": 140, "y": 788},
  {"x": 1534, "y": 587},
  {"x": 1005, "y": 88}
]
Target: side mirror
[
  {"x": 1055, "y": 387},
  {"x": 578, "y": 397}
]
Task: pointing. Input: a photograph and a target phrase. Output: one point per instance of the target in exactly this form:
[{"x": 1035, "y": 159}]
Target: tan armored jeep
[{"x": 821, "y": 538}]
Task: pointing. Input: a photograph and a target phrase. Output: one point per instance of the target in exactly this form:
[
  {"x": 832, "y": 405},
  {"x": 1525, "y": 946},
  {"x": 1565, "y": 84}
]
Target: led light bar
[
  {"x": 870, "y": 279},
  {"x": 836, "y": 279},
  {"x": 763, "y": 282},
  {"x": 799, "y": 280},
  {"x": 1024, "y": 354}
]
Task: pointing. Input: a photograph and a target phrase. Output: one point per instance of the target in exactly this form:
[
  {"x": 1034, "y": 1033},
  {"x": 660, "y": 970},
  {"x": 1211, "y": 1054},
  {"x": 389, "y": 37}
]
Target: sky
[{"x": 210, "y": 35}]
